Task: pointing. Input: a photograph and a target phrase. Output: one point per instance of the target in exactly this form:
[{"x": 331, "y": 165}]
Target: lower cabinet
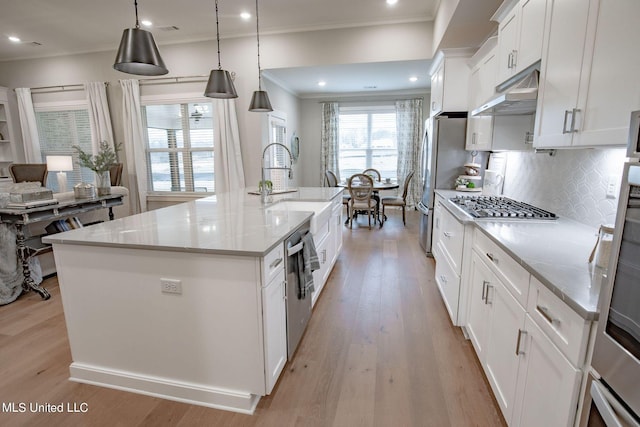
[
  {"x": 481, "y": 282},
  {"x": 274, "y": 318}
]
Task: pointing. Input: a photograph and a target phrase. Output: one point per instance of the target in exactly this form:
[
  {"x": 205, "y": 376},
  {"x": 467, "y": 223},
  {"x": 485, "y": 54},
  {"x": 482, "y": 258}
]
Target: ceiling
[{"x": 61, "y": 27}]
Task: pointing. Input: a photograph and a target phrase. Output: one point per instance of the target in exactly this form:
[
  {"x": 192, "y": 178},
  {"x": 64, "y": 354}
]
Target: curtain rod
[
  {"x": 171, "y": 80},
  {"x": 60, "y": 88}
]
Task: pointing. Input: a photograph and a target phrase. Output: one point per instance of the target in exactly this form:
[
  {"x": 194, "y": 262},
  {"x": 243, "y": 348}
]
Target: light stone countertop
[
  {"x": 233, "y": 223},
  {"x": 556, "y": 252}
]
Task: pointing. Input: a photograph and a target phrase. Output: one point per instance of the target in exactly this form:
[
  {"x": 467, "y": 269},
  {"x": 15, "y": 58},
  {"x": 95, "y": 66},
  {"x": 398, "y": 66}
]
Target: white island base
[{"x": 203, "y": 346}]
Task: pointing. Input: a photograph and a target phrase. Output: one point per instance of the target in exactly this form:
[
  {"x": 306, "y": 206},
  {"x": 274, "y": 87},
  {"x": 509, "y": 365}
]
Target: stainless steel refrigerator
[{"x": 442, "y": 160}]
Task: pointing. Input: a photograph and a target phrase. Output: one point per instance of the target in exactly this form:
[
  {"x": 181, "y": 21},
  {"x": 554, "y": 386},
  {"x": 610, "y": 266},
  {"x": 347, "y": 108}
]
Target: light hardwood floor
[{"x": 379, "y": 350}]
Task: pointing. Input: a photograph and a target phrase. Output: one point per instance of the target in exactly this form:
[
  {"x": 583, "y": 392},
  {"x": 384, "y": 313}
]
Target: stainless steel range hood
[{"x": 518, "y": 98}]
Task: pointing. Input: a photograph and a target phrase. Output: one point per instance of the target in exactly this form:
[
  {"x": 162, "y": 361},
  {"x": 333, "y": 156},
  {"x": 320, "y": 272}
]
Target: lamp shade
[
  {"x": 220, "y": 85},
  {"x": 59, "y": 163},
  {"x": 260, "y": 102},
  {"x": 138, "y": 54}
]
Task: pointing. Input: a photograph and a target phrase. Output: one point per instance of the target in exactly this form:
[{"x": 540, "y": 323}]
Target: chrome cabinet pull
[
  {"x": 443, "y": 278},
  {"x": 275, "y": 263},
  {"x": 447, "y": 234},
  {"x": 520, "y": 333},
  {"x": 544, "y": 311},
  {"x": 564, "y": 124},
  {"x": 473, "y": 138},
  {"x": 484, "y": 290},
  {"x": 486, "y": 297},
  {"x": 433, "y": 105},
  {"x": 509, "y": 60},
  {"x": 514, "y": 57},
  {"x": 573, "y": 119},
  {"x": 491, "y": 257}
]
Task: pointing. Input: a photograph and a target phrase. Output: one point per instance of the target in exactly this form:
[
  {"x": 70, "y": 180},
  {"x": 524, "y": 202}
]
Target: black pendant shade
[
  {"x": 220, "y": 85},
  {"x": 260, "y": 102},
  {"x": 138, "y": 53}
]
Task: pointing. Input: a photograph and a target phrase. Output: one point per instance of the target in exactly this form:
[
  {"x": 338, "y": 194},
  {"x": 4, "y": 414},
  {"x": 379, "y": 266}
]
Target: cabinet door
[
  {"x": 612, "y": 92},
  {"x": 274, "y": 317},
  {"x": 437, "y": 90},
  {"x": 546, "y": 380},
  {"x": 481, "y": 283},
  {"x": 556, "y": 114},
  {"x": 507, "y": 45},
  {"x": 320, "y": 275},
  {"x": 501, "y": 360},
  {"x": 531, "y": 32}
]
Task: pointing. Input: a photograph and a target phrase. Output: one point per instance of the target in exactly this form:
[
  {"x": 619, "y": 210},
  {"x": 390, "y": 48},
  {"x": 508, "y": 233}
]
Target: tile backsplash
[{"x": 572, "y": 183}]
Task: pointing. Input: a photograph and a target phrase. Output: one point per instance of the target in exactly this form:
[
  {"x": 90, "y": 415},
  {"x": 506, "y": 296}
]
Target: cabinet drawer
[
  {"x": 448, "y": 282},
  {"x": 565, "y": 327},
  {"x": 273, "y": 263},
  {"x": 514, "y": 277},
  {"x": 452, "y": 239}
]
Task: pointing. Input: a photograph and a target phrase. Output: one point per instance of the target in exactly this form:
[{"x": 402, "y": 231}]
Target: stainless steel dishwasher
[{"x": 298, "y": 308}]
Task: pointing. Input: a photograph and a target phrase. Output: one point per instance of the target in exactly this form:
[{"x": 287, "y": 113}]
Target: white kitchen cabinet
[
  {"x": 502, "y": 356},
  {"x": 437, "y": 226},
  {"x": 328, "y": 242},
  {"x": 450, "y": 81},
  {"x": 588, "y": 81},
  {"x": 482, "y": 82},
  {"x": 520, "y": 35},
  {"x": 7, "y": 142},
  {"x": 274, "y": 317},
  {"x": 548, "y": 384},
  {"x": 481, "y": 282}
]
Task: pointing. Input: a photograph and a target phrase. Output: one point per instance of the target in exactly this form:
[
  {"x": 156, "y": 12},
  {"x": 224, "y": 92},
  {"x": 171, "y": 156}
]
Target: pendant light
[
  {"x": 138, "y": 53},
  {"x": 220, "y": 84},
  {"x": 260, "y": 100}
]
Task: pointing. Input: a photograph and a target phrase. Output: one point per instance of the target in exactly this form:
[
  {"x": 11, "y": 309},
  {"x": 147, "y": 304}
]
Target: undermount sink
[{"x": 321, "y": 211}]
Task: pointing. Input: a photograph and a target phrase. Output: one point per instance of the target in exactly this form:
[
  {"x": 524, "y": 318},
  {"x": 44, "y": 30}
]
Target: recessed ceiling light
[
  {"x": 146, "y": 23},
  {"x": 322, "y": 83},
  {"x": 14, "y": 39},
  {"x": 413, "y": 79},
  {"x": 392, "y": 2},
  {"x": 245, "y": 15}
]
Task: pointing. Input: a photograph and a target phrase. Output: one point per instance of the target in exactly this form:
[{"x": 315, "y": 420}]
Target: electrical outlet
[
  {"x": 612, "y": 187},
  {"x": 171, "y": 286}
]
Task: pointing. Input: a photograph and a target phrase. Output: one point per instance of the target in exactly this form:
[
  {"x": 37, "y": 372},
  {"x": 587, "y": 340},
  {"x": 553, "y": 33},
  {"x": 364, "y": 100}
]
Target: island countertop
[{"x": 232, "y": 223}]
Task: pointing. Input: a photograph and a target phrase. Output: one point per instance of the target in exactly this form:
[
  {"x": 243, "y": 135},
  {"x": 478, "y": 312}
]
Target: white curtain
[
  {"x": 99, "y": 117},
  {"x": 329, "y": 140},
  {"x": 409, "y": 134},
  {"x": 134, "y": 144},
  {"x": 229, "y": 170},
  {"x": 28, "y": 126}
]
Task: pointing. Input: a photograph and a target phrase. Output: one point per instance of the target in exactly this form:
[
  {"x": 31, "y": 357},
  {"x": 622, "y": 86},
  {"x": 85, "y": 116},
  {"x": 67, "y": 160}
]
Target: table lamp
[{"x": 61, "y": 164}]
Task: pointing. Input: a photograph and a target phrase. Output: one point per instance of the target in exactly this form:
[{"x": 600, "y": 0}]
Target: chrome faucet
[{"x": 264, "y": 193}]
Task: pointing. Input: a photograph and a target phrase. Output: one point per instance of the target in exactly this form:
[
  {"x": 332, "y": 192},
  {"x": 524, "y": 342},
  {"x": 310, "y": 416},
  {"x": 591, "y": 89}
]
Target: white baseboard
[{"x": 195, "y": 394}]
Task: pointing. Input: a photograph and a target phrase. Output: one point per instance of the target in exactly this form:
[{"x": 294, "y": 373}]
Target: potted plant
[{"x": 100, "y": 164}]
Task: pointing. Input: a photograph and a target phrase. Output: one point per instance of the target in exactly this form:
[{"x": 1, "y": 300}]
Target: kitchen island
[{"x": 185, "y": 302}]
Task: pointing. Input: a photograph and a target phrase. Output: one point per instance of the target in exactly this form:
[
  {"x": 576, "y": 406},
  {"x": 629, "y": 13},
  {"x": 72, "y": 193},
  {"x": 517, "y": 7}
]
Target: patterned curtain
[
  {"x": 329, "y": 140},
  {"x": 409, "y": 133}
]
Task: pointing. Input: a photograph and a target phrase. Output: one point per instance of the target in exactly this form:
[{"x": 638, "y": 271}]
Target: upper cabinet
[
  {"x": 450, "y": 81},
  {"x": 520, "y": 35},
  {"x": 588, "y": 80},
  {"x": 6, "y": 135}
]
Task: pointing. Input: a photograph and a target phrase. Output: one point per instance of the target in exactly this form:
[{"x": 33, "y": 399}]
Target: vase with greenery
[{"x": 100, "y": 163}]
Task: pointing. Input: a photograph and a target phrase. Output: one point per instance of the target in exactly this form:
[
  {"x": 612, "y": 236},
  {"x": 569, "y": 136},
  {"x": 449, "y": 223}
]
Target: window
[
  {"x": 59, "y": 129},
  {"x": 277, "y": 157},
  {"x": 368, "y": 140},
  {"x": 180, "y": 147}
]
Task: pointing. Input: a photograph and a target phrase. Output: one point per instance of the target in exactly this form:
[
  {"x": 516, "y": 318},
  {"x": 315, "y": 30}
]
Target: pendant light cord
[
  {"x": 135, "y": 3},
  {"x": 258, "y": 38},
  {"x": 218, "y": 36}
]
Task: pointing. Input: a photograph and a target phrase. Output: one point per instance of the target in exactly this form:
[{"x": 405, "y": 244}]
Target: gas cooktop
[{"x": 498, "y": 207}]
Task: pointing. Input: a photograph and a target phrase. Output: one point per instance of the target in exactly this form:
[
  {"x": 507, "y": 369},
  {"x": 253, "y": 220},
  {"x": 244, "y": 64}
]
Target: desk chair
[
  {"x": 332, "y": 181},
  {"x": 361, "y": 190},
  {"x": 399, "y": 201},
  {"x": 29, "y": 172},
  {"x": 115, "y": 173}
]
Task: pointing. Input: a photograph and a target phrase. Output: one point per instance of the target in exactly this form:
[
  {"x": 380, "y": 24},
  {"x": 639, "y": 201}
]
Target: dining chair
[
  {"x": 361, "y": 190},
  {"x": 115, "y": 173},
  {"x": 399, "y": 201},
  {"x": 332, "y": 181},
  {"x": 373, "y": 173},
  {"x": 29, "y": 172}
]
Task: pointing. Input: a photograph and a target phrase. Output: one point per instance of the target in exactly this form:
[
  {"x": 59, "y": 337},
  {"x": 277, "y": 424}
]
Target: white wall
[{"x": 396, "y": 42}]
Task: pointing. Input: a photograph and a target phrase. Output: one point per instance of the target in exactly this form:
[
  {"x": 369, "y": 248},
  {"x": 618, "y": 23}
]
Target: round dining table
[{"x": 377, "y": 186}]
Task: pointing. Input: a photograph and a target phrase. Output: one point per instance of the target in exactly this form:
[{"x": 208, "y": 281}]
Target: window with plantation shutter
[
  {"x": 59, "y": 129},
  {"x": 180, "y": 147},
  {"x": 278, "y": 156},
  {"x": 367, "y": 138}
]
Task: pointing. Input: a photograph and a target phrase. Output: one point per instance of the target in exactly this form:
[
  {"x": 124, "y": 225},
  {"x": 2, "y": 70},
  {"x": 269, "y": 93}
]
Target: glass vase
[{"x": 103, "y": 183}]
